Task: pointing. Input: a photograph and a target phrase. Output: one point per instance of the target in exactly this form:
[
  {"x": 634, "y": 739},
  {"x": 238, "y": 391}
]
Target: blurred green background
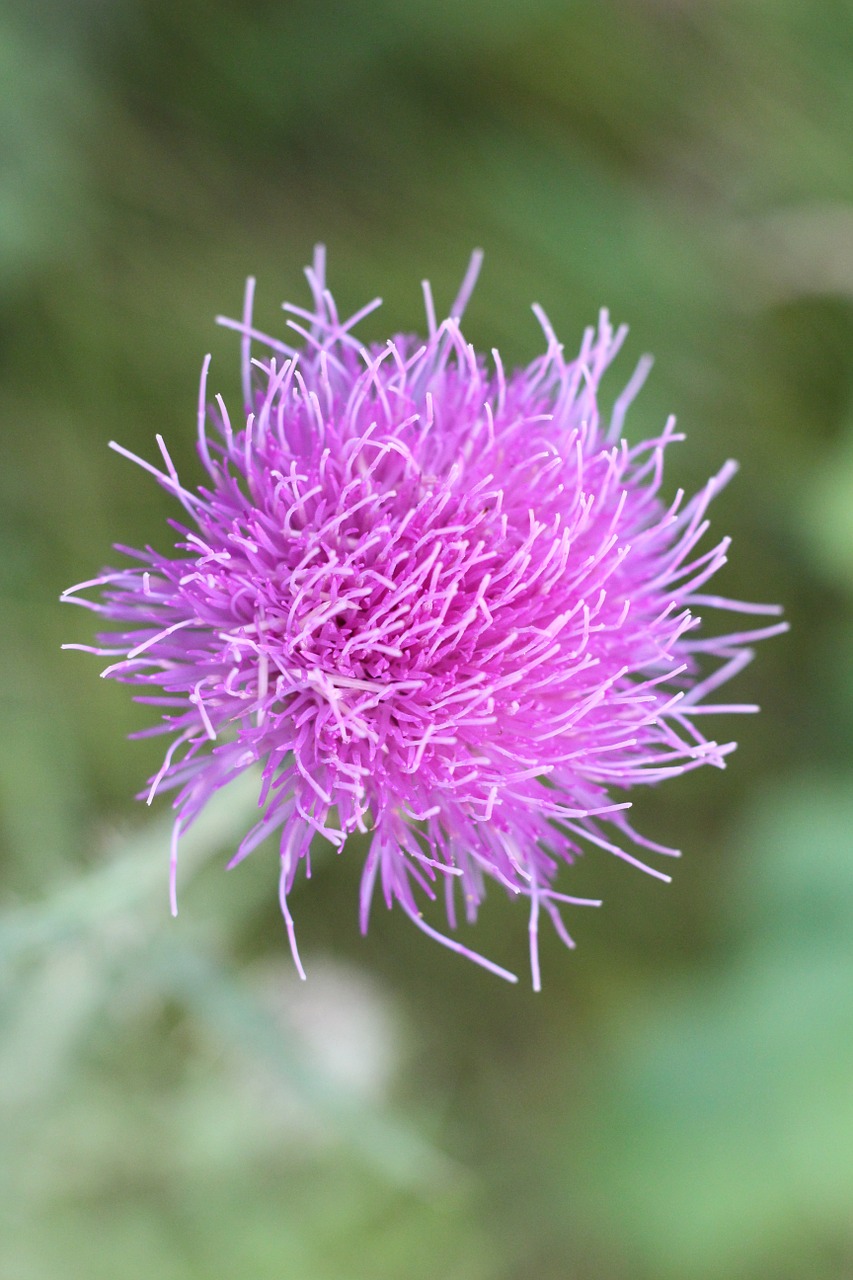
[{"x": 678, "y": 1103}]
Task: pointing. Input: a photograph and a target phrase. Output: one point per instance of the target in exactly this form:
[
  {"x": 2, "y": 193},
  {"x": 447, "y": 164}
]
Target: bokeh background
[{"x": 678, "y": 1103}]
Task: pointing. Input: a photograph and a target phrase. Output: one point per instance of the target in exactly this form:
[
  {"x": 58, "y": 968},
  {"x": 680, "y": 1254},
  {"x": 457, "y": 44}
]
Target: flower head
[{"x": 438, "y": 603}]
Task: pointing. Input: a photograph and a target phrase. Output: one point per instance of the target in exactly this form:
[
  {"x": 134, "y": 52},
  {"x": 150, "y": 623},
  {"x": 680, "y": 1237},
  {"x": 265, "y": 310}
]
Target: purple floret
[{"x": 439, "y": 604}]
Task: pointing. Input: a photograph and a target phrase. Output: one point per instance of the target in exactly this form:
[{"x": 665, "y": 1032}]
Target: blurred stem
[{"x": 132, "y": 875}]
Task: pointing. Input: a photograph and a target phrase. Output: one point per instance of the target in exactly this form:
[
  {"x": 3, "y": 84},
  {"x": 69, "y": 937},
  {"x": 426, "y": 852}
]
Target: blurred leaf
[
  {"x": 390, "y": 1148},
  {"x": 127, "y": 879},
  {"x": 726, "y": 1139},
  {"x": 827, "y": 512}
]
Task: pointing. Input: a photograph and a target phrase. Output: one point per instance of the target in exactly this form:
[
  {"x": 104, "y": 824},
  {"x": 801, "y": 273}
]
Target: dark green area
[{"x": 678, "y": 1103}]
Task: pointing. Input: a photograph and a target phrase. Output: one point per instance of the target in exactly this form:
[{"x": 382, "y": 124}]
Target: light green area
[{"x": 678, "y": 1103}]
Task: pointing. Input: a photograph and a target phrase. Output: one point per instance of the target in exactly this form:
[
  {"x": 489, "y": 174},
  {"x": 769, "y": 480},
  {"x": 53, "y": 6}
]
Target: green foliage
[{"x": 677, "y": 1103}]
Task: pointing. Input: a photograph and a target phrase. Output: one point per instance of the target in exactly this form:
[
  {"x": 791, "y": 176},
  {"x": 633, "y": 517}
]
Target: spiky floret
[{"x": 438, "y": 603}]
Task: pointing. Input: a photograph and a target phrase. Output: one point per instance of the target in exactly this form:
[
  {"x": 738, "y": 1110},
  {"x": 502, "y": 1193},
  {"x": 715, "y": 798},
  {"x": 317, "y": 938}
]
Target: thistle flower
[{"x": 438, "y": 603}]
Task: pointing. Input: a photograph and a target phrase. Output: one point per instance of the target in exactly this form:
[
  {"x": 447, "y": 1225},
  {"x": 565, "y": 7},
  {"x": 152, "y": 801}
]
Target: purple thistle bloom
[{"x": 438, "y": 603}]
